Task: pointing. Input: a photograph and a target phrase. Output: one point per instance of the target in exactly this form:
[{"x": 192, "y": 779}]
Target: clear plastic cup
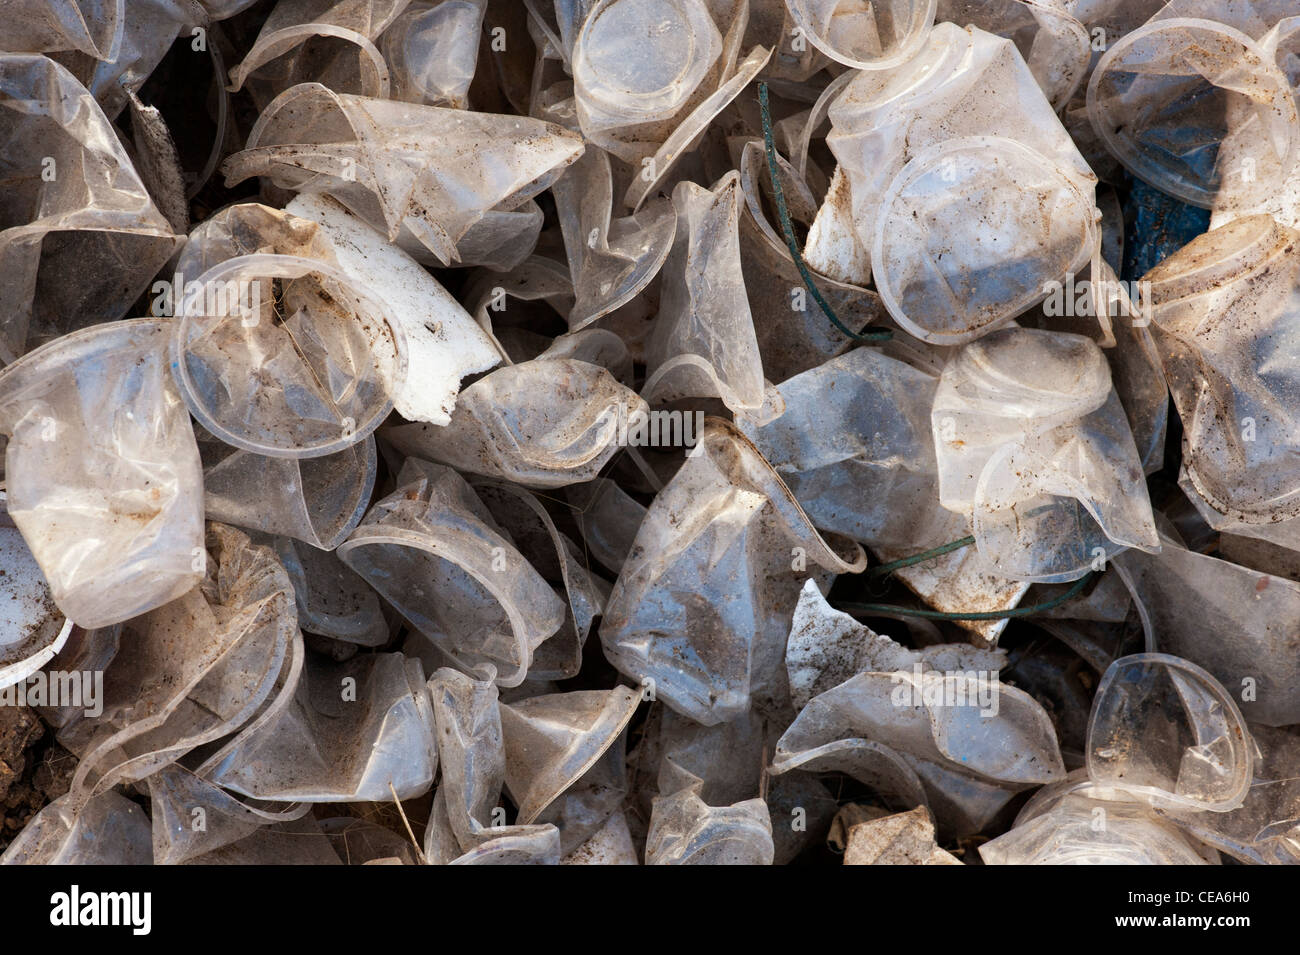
[{"x": 310, "y": 381}]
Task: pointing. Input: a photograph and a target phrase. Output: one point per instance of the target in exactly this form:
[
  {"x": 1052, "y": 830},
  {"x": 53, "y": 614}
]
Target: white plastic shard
[
  {"x": 193, "y": 671},
  {"x": 423, "y": 175},
  {"x": 1164, "y": 729},
  {"x": 102, "y": 471},
  {"x": 551, "y": 741},
  {"x": 109, "y": 829},
  {"x": 32, "y": 630},
  {"x": 1032, "y": 442},
  {"x": 905, "y": 838},
  {"x": 828, "y": 647},
  {"x": 1188, "y": 601},
  {"x": 443, "y": 343},
  {"x": 357, "y": 731},
  {"x": 688, "y": 611},
  {"x": 432, "y": 51},
  {"x": 1224, "y": 311},
  {"x": 544, "y": 423},
  {"x": 703, "y": 343},
  {"x": 79, "y": 235},
  {"x": 432, "y": 550}
]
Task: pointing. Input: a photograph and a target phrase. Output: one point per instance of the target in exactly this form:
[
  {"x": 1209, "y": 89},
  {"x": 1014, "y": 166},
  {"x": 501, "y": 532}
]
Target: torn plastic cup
[
  {"x": 1224, "y": 310},
  {"x": 108, "y": 829},
  {"x": 102, "y": 470},
  {"x": 865, "y": 36},
  {"x": 1174, "y": 97},
  {"x": 1056, "y": 46},
  {"x": 197, "y": 668},
  {"x": 1032, "y": 442},
  {"x": 307, "y": 374},
  {"x": 315, "y": 500},
  {"x": 703, "y": 343},
  {"x": 1164, "y": 728},
  {"x": 552, "y": 740},
  {"x": 432, "y": 551},
  {"x": 694, "y": 613},
  {"x": 358, "y": 731},
  {"x": 293, "y": 23}
]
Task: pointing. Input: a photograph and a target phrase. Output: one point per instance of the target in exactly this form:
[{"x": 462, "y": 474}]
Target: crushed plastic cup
[
  {"x": 1179, "y": 95},
  {"x": 432, "y": 51},
  {"x": 80, "y": 237},
  {"x": 430, "y": 549},
  {"x": 102, "y": 471},
  {"x": 305, "y": 375},
  {"x": 1222, "y": 310}
]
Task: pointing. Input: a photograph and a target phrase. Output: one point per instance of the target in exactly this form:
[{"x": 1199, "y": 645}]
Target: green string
[
  {"x": 920, "y": 558},
  {"x": 783, "y": 211},
  {"x": 888, "y": 609}
]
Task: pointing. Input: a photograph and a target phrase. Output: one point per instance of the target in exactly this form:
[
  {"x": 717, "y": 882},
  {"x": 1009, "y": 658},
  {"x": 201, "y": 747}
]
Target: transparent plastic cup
[
  {"x": 309, "y": 382},
  {"x": 865, "y": 36},
  {"x": 1163, "y": 727},
  {"x": 1174, "y": 96},
  {"x": 972, "y": 232}
]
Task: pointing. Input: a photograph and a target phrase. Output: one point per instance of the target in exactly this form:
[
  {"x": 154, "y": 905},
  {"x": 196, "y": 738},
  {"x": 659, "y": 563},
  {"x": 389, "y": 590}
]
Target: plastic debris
[{"x": 650, "y": 432}]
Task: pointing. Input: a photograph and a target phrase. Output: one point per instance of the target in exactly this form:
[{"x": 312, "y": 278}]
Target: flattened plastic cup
[
  {"x": 1166, "y": 96},
  {"x": 303, "y": 376},
  {"x": 1163, "y": 727},
  {"x": 866, "y": 36},
  {"x": 970, "y": 234},
  {"x": 32, "y": 630},
  {"x": 640, "y": 60}
]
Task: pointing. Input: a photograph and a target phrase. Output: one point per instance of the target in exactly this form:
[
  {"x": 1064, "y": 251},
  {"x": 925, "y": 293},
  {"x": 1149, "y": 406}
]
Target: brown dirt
[{"x": 34, "y": 770}]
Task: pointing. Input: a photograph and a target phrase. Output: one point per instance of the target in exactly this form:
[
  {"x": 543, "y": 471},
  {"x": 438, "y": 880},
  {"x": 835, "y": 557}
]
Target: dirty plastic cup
[
  {"x": 866, "y": 36},
  {"x": 1165, "y": 98},
  {"x": 972, "y": 232},
  {"x": 1165, "y": 728},
  {"x": 310, "y": 381},
  {"x": 637, "y": 61}
]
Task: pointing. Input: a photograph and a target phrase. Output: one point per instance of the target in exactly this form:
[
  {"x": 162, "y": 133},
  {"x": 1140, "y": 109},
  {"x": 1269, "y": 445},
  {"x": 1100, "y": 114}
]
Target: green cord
[
  {"x": 876, "y": 335},
  {"x": 925, "y": 555},
  {"x": 887, "y": 609}
]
